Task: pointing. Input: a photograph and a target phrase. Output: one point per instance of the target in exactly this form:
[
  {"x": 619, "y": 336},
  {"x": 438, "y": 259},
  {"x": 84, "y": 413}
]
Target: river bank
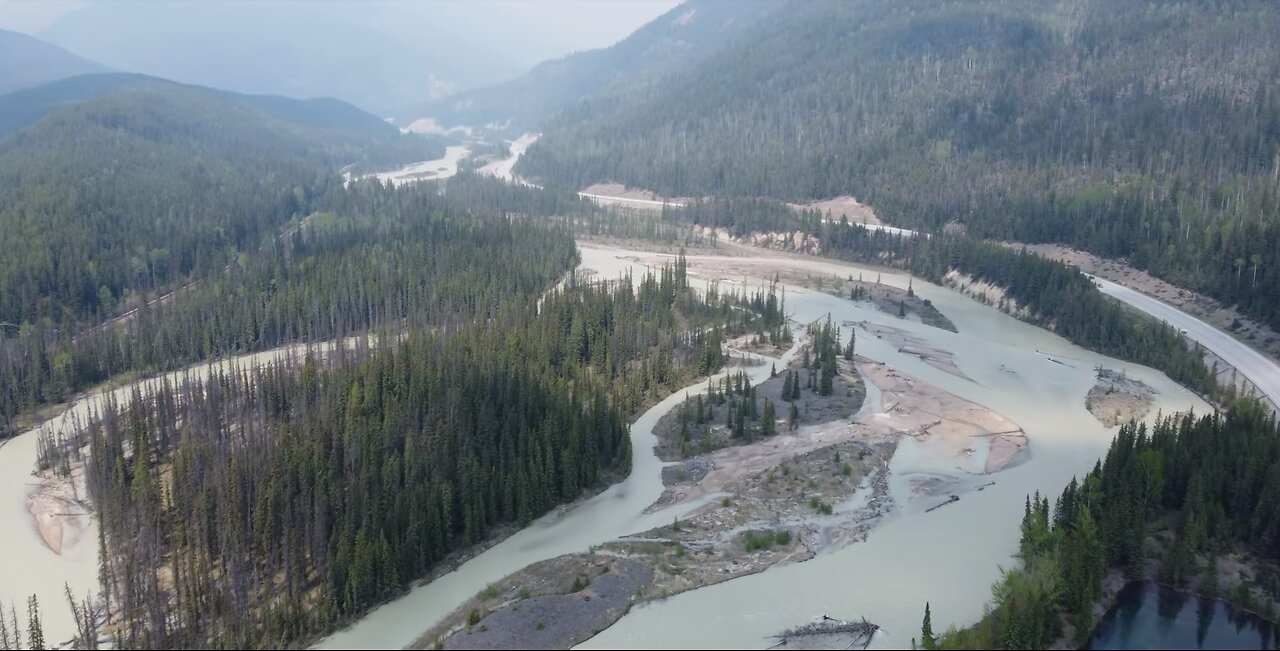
[
  {"x": 1031, "y": 377},
  {"x": 1225, "y": 318},
  {"x": 768, "y": 503},
  {"x": 53, "y": 540},
  {"x": 1149, "y": 615},
  {"x": 758, "y": 504},
  {"x": 1005, "y": 374},
  {"x": 1233, "y": 582},
  {"x": 1116, "y": 399},
  {"x": 430, "y": 170}
]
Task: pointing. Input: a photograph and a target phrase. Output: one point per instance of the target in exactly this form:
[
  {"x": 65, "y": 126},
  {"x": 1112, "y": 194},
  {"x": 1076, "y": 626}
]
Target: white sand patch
[{"x": 844, "y": 206}]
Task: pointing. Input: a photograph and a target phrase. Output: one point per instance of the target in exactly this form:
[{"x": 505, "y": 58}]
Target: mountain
[
  {"x": 21, "y": 108},
  {"x": 1143, "y": 130},
  {"x": 151, "y": 184},
  {"x": 677, "y": 38},
  {"x": 380, "y": 56},
  {"x": 27, "y": 61}
]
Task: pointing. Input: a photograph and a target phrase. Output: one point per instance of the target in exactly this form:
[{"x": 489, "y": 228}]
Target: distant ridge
[{"x": 27, "y": 61}]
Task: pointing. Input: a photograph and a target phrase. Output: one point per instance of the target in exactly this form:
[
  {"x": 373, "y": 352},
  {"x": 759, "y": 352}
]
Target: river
[
  {"x": 949, "y": 556},
  {"x": 30, "y": 566},
  {"x": 429, "y": 170}
]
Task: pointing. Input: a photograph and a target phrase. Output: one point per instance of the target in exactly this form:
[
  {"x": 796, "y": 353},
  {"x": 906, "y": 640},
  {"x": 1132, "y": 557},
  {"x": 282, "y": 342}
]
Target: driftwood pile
[{"x": 830, "y": 633}]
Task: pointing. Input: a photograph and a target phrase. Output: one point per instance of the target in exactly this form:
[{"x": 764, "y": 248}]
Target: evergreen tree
[
  {"x": 35, "y": 631},
  {"x": 927, "y": 638},
  {"x": 769, "y": 426}
]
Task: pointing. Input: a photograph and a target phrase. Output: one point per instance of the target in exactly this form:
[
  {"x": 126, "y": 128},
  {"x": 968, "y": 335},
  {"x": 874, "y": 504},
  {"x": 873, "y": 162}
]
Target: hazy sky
[
  {"x": 565, "y": 25},
  {"x": 31, "y": 16}
]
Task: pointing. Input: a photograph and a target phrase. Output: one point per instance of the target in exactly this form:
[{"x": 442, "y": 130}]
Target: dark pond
[{"x": 1149, "y": 616}]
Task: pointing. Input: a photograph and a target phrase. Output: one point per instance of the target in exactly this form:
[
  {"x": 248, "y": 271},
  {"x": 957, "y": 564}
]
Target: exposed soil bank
[
  {"x": 847, "y": 207},
  {"x": 949, "y": 555},
  {"x": 758, "y": 503},
  {"x": 554, "y": 604},
  {"x": 1225, "y": 318}
]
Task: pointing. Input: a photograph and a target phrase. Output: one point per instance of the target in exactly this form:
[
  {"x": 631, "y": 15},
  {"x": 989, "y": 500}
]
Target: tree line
[
  {"x": 122, "y": 197},
  {"x": 1184, "y": 491},
  {"x": 372, "y": 255},
  {"x": 1019, "y": 119},
  {"x": 262, "y": 507},
  {"x": 1054, "y": 295}
]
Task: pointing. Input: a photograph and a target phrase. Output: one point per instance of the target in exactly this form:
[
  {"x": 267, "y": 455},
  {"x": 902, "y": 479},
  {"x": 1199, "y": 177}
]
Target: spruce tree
[
  {"x": 35, "y": 632},
  {"x": 927, "y": 638}
]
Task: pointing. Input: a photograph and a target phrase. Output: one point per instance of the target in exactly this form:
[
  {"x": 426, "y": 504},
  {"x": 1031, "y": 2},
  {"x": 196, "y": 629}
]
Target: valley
[
  {"x": 1004, "y": 373},
  {"x": 687, "y": 324},
  {"x": 991, "y": 372}
]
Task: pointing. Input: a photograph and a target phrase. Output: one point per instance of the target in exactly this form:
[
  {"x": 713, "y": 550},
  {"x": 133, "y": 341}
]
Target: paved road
[
  {"x": 607, "y": 200},
  {"x": 1261, "y": 371}
]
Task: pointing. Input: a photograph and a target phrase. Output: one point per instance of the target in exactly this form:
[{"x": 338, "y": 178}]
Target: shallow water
[
  {"x": 30, "y": 566},
  {"x": 949, "y": 556},
  {"x": 431, "y": 170},
  {"x": 615, "y": 512},
  {"x": 1149, "y": 616}
]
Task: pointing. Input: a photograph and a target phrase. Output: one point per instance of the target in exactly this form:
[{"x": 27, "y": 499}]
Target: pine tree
[
  {"x": 826, "y": 386},
  {"x": 6, "y": 642},
  {"x": 35, "y": 632},
  {"x": 927, "y": 638}
]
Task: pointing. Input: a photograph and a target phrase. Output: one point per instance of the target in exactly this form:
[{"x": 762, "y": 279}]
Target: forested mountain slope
[
  {"x": 677, "y": 38},
  {"x": 1148, "y": 130},
  {"x": 21, "y": 108},
  {"x": 27, "y": 61},
  {"x": 493, "y": 394},
  {"x": 144, "y": 188}
]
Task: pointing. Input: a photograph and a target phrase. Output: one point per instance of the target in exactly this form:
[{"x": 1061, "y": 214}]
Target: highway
[
  {"x": 1259, "y": 369},
  {"x": 607, "y": 200}
]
